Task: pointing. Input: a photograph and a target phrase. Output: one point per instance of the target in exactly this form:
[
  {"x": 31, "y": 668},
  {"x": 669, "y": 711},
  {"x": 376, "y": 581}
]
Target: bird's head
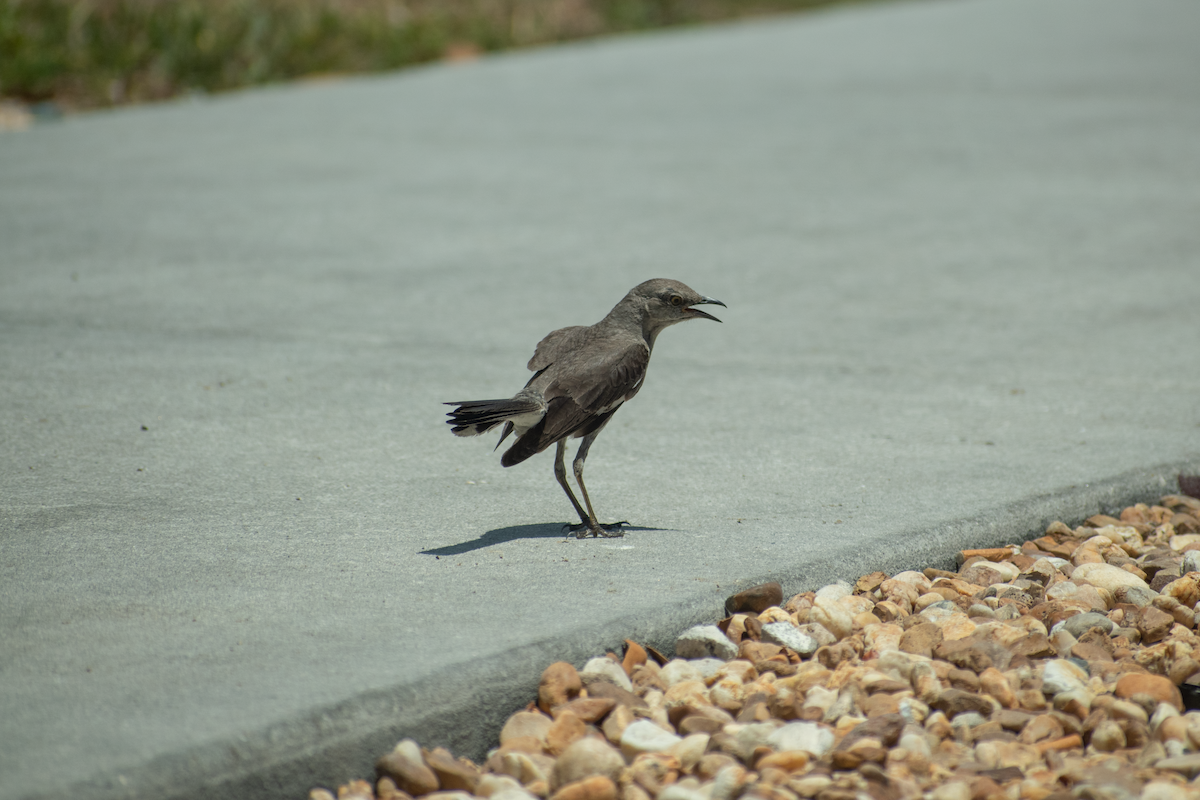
[{"x": 667, "y": 302}]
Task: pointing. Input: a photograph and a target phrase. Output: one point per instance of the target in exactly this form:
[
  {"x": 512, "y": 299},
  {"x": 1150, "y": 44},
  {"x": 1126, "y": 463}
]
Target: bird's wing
[
  {"x": 554, "y": 345},
  {"x": 596, "y": 382},
  {"x": 582, "y": 390},
  {"x": 586, "y": 387}
]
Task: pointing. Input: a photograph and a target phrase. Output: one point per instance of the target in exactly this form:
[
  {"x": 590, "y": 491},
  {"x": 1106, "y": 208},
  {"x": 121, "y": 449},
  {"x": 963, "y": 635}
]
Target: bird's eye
[{"x": 676, "y": 300}]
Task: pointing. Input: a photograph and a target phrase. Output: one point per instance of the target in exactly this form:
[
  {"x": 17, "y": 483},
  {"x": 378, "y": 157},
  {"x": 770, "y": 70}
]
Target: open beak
[{"x": 705, "y": 301}]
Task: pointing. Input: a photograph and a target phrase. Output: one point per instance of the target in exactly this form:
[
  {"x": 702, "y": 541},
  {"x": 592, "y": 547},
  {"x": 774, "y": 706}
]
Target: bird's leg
[
  {"x": 588, "y": 524},
  {"x": 608, "y": 531}
]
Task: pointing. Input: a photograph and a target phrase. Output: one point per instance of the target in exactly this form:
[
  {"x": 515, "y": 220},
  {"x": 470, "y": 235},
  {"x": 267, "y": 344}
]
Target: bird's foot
[{"x": 583, "y": 529}]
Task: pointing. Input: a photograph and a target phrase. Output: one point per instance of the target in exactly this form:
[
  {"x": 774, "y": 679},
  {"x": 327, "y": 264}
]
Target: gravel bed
[{"x": 1059, "y": 668}]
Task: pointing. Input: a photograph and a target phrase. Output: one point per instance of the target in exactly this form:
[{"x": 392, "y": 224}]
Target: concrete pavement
[{"x": 240, "y": 553}]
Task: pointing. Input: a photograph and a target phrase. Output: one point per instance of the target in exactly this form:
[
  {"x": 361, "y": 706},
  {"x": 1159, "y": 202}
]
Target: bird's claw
[{"x": 612, "y": 531}]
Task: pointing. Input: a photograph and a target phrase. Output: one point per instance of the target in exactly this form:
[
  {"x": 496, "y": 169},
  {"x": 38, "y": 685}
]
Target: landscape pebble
[{"x": 1065, "y": 667}]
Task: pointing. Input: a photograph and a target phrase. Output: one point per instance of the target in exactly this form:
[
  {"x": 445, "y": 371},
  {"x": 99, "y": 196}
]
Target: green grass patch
[{"x": 93, "y": 53}]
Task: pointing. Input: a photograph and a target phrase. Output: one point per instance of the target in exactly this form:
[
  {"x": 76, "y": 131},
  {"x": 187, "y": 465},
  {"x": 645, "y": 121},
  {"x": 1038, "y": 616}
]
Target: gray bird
[{"x": 582, "y": 375}]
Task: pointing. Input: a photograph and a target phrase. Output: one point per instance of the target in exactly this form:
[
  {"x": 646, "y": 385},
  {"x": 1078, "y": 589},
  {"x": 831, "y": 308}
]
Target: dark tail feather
[
  {"x": 473, "y": 417},
  {"x": 508, "y": 428},
  {"x": 524, "y": 447}
]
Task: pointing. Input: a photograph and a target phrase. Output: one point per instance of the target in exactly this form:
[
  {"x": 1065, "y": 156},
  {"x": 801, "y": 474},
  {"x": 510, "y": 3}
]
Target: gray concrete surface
[{"x": 241, "y": 554}]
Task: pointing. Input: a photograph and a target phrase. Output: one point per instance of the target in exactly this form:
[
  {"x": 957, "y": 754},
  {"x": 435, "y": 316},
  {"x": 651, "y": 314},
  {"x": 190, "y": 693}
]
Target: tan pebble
[
  {"x": 736, "y": 629},
  {"x": 694, "y": 723},
  {"x": 645, "y": 677},
  {"x": 728, "y": 783},
  {"x": 1173, "y": 728},
  {"x": 616, "y": 722},
  {"x": 912, "y": 577},
  {"x": 678, "y": 670},
  {"x": 869, "y": 583},
  {"x": 526, "y": 723},
  {"x": 407, "y": 769},
  {"x": 921, "y": 639},
  {"x": 993, "y": 682},
  {"x": 728, "y": 694},
  {"x": 689, "y": 694},
  {"x": 863, "y": 620},
  {"x": 1060, "y": 528},
  {"x": 356, "y": 790},
  {"x": 879, "y": 704},
  {"x": 1107, "y": 577},
  {"x": 1123, "y": 709},
  {"x": 901, "y": 595},
  {"x": 567, "y": 729},
  {"x": 881, "y": 639},
  {"x": 588, "y": 709},
  {"x": 635, "y": 656},
  {"x": 820, "y": 699},
  {"x": 597, "y": 787},
  {"x": 832, "y": 617},
  {"x": 646, "y": 736},
  {"x": 954, "y": 790},
  {"x": 887, "y": 611},
  {"x": 1162, "y": 790},
  {"x": 939, "y": 725},
  {"x": 605, "y": 669},
  {"x": 1180, "y": 541},
  {"x": 527, "y": 768},
  {"x": 774, "y": 614},
  {"x": 872, "y": 681},
  {"x": 454, "y": 774},
  {"x": 1193, "y": 722},
  {"x": 845, "y": 724},
  {"x": 1087, "y": 553},
  {"x": 810, "y": 785},
  {"x": 1154, "y": 624},
  {"x": 712, "y": 763},
  {"x": 653, "y": 771},
  {"x": 1158, "y": 687},
  {"x": 769, "y": 776},
  {"x": 691, "y": 750},
  {"x": 1065, "y": 743},
  {"x": 1182, "y": 614},
  {"x": 742, "y": 671},
  {"x": 1041, "y": 728},
  {"x": 320, "y": 794},
  {"x": 755, "y": 599},
  {"x": 386, "y": 789},
  {"x": 963, "y": 679},
  {"x": 788, "y": 761},
  {"x": 1077, "y": 702},
  {"x": 1108, "y": 736},
  {"x": 1000, "y": 755},
  {"x": 539, "y": 788},
  {"x": 845, "y": 760},
  {"x": 1186, "y": 589},
  {"x": 559, "y": 683},
  {"x": 856, "y": 604},
  {"x": 926, "y": 600},
  {"x": 490, "y": 784},
  {"x": 957, "y": 626}
]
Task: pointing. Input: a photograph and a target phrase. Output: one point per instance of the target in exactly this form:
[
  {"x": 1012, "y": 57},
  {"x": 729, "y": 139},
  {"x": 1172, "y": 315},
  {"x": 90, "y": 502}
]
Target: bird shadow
[{"x": 541, "y": 530}]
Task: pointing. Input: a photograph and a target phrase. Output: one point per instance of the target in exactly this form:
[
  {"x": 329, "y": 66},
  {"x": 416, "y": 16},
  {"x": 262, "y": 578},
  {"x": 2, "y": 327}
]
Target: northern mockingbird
[{"x": 582, "y": 375}]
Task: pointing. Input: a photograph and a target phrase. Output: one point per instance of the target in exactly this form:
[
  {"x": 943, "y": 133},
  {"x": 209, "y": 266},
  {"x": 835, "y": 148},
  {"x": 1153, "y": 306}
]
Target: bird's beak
[{"x": 705, "y": 301}]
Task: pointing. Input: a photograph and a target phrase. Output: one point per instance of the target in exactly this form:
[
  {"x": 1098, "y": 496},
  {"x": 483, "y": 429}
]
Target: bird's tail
[{"x": 473, "y": 417}]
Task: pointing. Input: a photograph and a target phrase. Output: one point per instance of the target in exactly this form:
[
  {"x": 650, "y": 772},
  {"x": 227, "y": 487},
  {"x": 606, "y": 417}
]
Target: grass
[{"x": 95, "y": 53}]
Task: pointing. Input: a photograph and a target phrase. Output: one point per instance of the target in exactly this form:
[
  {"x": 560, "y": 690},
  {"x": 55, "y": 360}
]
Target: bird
[{"x": 581, "y": 376}]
